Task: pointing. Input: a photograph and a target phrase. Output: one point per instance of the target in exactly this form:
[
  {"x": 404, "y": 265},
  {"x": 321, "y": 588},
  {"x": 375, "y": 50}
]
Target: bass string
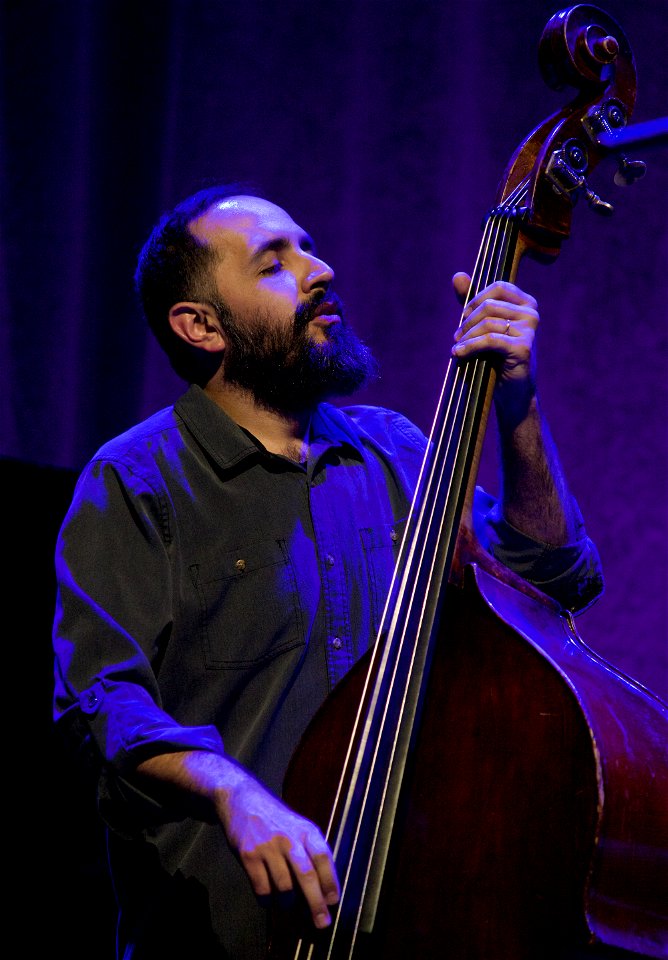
[{"x": 461, "y": 392}]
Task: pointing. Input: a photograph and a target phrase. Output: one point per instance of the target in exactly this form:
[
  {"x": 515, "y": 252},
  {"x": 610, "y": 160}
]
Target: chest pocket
[
  {"x": 249, "y": 605},
  {"x": 381, "y": 548}
]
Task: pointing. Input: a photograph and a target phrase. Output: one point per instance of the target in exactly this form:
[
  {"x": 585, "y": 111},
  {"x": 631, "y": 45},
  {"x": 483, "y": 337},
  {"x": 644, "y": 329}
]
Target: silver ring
[{"x": 505, "y": 332}]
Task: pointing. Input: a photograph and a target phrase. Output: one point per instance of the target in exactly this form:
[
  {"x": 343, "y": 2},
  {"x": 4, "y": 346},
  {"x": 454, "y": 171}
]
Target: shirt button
[
  {"x": 337, "y": 643},
  {"x": 329, "y": 560},
  {"x": 394, "y": 536},
  {"x": 240, "y": 565}
]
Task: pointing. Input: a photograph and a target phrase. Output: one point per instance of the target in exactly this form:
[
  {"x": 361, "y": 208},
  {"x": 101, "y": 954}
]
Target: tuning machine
[
  {"x": 608, "y": 118},
  {"x": 566, "y": 170}
]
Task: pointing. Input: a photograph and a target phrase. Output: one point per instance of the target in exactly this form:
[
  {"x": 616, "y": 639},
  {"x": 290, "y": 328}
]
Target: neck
[{"x": 280, "y": 432}]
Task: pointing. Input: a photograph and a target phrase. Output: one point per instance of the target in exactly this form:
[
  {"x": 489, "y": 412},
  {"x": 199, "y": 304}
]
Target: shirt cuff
[{"x": 570, "y": 573}]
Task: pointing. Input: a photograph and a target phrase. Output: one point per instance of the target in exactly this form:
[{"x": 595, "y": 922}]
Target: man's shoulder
[
  {"x": 139, "y": 460},
  {"x": 142, "y": 440},
  {"x": 382, "y": 424}
]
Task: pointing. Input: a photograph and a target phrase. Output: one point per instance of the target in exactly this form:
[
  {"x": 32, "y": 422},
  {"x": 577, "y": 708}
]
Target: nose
[{"x": 319, "y": 274}]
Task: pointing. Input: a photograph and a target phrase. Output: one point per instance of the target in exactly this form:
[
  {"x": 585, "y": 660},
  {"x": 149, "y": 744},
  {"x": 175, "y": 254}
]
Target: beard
[{"x": 284, "y": 368}]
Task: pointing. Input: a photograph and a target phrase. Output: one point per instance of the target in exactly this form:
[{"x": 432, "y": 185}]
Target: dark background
[{"x": 383, "y": 128}]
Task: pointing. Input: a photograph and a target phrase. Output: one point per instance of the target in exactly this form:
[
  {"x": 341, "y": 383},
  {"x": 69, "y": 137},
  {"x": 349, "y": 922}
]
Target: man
[{"x": 225, "y": 562}]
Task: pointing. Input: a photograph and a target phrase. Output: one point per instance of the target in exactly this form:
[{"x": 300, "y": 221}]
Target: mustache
[{"x": 306, "y": 312}]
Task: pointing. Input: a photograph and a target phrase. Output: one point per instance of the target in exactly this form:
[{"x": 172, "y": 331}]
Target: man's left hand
[{"x": 501, "y": 319}]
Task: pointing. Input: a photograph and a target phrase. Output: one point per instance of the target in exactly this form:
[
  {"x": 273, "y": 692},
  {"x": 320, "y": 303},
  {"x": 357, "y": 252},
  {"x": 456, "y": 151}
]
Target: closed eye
[
  {"x": 276, "y": 246},
  {"x": 272, "y": 268}
]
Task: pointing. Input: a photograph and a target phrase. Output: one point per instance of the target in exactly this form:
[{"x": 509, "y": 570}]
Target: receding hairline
[
  {"x": 232, "y": 203},
  {"x": 215, "y": 251}
]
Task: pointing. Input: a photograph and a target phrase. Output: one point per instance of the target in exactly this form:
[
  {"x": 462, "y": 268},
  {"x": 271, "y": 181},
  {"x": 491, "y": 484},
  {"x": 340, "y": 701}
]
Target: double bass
[{"x": 491, "y": 788}]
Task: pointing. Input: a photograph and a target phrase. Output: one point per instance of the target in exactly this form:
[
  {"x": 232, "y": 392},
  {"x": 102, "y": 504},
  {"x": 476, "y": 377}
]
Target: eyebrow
[{"x": 276, "y": 244}]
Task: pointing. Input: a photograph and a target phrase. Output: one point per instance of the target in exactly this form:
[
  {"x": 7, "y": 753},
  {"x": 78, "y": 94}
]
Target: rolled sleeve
[
  {"x": 113, "y": 607},
  {"x": 570, "y": 573},
  {"x": 125, "y": 720}
]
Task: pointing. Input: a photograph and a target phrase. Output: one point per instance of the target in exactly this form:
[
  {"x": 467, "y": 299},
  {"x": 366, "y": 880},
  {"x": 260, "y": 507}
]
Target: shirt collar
[
  {"x": 228, "y": 444},
  {"x": 331, "y": 427}
]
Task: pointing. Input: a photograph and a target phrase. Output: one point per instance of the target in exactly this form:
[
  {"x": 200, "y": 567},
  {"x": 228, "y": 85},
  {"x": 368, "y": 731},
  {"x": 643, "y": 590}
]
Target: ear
[{"x": 198, "y": 325}]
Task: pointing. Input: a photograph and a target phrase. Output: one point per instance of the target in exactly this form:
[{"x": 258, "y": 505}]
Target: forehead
[{"x": 243, "y": 224}]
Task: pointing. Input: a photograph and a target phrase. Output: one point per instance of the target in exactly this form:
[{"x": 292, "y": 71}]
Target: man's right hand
[{"x": 277, "y": 847}]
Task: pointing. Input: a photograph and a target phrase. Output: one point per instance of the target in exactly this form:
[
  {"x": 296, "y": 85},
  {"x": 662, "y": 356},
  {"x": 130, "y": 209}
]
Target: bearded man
[{"x": 224, "y": 563}]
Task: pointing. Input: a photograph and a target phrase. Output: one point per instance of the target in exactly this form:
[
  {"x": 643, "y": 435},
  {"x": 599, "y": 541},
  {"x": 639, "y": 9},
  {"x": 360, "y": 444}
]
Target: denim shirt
[{"x": 210, "y": 595}]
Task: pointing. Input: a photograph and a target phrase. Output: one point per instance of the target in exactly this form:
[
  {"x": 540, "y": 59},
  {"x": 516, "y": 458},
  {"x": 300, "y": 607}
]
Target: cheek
[
  {"x": 280, "y": 286},
  {"x": 274, "y": 298},
  {"x": 279, "y": 299}
]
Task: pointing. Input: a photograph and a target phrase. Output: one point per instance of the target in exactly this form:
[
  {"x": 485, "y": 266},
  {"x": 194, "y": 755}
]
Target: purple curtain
[{"x": 383, "y": 127}]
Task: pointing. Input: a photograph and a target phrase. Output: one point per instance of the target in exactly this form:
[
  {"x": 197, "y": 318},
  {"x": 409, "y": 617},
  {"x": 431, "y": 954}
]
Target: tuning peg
[
  {"x": 609, "y": 119},
  {"x": 599, "y": 206},
  {"x": 629, "y": 170}
]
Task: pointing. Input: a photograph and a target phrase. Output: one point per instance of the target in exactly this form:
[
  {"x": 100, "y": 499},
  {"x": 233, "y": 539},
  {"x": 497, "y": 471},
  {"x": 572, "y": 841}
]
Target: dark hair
[{"x": 174, "y": 265}]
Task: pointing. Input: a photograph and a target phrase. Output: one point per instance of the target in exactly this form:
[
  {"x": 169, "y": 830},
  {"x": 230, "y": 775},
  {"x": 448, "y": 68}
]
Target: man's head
[{"x": 231, "y": 284}]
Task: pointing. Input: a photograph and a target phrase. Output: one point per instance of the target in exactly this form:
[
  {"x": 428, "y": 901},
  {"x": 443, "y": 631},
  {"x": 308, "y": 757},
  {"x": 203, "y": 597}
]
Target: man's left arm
[{"x": 536, "y": 506}]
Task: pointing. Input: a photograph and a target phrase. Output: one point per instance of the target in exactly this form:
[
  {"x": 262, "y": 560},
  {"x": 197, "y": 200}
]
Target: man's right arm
[
  {"x": 276, "y": 846},
  {"x": 113, "y": 576}
]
